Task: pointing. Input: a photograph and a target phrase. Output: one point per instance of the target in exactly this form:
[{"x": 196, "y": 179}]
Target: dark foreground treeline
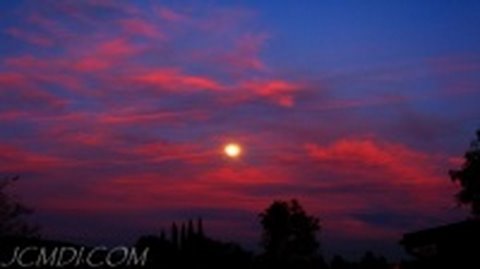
[
  {"x": 288, "y": 242},
  {"x": 190, "y": 250},
  {"x": 195, "y": 250}
]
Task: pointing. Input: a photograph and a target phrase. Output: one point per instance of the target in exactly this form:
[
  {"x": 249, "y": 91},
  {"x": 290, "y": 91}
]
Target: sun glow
[{"x": 233, "y": 150}]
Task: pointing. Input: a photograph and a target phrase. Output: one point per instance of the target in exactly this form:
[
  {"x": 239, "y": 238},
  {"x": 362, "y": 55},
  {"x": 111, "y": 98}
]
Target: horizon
[{"x": 116, "y": 115}]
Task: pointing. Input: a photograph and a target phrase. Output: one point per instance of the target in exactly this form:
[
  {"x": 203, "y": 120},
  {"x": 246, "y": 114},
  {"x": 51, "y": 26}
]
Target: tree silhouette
[
  {"x": 289, "y": 234},
  {"x": 469, "y": 177},
  {"x": 200, "y": 227},
  {"x": 197, "y": 250},
  {"x": 12, "y": 212},
  {"x": 174, "y": 235},
  {"x": 370, "y": 261},
  {"x": 338, "y": 262}
]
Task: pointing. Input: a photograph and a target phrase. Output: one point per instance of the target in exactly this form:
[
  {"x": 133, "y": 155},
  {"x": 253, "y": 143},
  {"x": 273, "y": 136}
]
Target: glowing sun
[{"x": 233, "y": 150}]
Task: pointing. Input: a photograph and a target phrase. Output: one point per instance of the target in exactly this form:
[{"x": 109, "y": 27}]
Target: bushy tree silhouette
[
  {"x": 469, "y": 177},
  {"x": 12, "y": 212},
  {"x": 289, "y": 235},
  {"x": 338, "y": 262}
]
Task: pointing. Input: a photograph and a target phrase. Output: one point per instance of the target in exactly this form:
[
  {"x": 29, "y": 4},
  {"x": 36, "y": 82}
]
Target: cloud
[
  {"x": 395, "y": 162},
  {"x": 244, "y": 56},
  {"x": 92, "y": 64},
  {"x": 17, "y": 160},
  {"x": 172, "y": 79},
  {"x": 397, "y": 178},
  {"x": 10, "y": 79},
  {"x": 143, "y": 118},
  {"x": 277, "y": 91}
]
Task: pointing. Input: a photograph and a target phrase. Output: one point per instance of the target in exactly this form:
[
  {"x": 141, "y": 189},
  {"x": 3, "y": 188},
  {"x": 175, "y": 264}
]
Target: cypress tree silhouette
[
  {"x": 190, "y": 229},
  {"x": 174, "y": 235},
  {"x": 183, "y": 236},
  {"x": 200, "y": 228},
  {"x": 163, "y": 237}
]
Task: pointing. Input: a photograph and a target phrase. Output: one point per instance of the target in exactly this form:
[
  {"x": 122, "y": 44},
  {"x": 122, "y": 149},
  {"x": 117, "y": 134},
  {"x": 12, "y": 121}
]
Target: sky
[{"x": 115, "y": 115}]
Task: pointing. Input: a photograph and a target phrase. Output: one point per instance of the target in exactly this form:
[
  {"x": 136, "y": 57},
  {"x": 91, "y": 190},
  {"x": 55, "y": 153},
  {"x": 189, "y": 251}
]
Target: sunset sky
[{"x": 115, "y": 114}]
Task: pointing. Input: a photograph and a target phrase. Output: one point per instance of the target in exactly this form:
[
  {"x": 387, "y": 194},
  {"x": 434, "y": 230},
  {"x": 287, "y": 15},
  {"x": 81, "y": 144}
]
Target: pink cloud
[
  {"x": 397, "y": 178},
  {"x": 278, "y": 91},
  {"x": 116, "y": 47},
  {"x": 101, "y": 56},
  {"x": 359, "y": 155},
  {"x": 173, "y": 79},
  {"x": 11, "y": 79}
]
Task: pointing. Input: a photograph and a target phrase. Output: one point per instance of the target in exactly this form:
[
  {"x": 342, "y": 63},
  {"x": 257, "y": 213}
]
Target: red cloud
[
  {"x": 243, "y": 176},
  {"x": 139, "y": 118},
  {"x": 91, "y": 64},
  {"x": 144, "y": 191},
  {"x": 11, "y": 79},
  {"x": 17, "y": 160},
  {"x": 163, "y": 151}
]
